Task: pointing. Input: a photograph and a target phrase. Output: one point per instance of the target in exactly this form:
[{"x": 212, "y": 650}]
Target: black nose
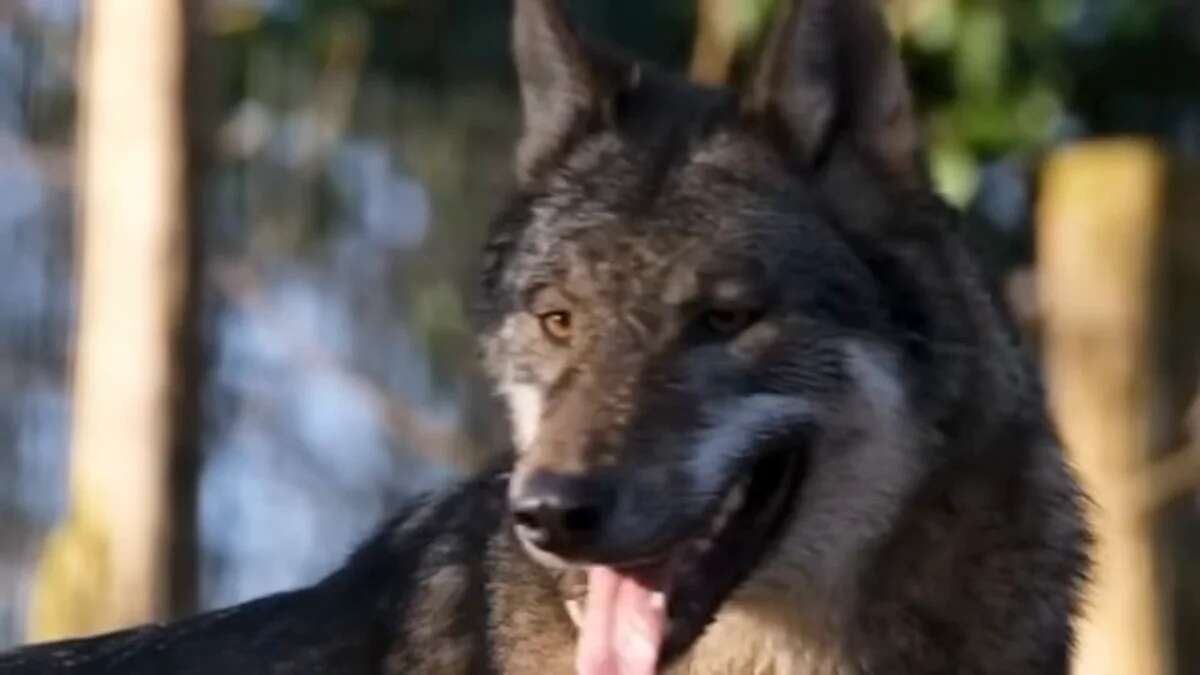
[{"x": 559, "y": 513}]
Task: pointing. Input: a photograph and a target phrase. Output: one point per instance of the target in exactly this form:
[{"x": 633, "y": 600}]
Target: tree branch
[{"x": 1174, "y": 475}]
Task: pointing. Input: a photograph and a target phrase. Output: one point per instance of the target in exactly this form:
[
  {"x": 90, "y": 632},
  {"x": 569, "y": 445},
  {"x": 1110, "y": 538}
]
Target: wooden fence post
[
  {"x": 716, "y": 41},
  {"x": 1100, "y": 223}
]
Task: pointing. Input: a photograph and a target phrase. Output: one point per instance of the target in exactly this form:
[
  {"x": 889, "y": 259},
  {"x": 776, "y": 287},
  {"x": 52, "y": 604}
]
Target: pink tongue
[{"x": 622, "y": 630}]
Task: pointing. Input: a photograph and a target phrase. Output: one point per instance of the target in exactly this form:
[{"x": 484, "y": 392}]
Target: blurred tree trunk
[
  {"x": 716, "y": 41},
  {"x": 1099, "y": 238},
  {"x": 109, "y": 563}
]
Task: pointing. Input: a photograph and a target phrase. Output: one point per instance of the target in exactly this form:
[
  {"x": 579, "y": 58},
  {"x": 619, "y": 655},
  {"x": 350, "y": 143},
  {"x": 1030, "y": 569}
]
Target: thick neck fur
[{"x": 936, "y": 596}]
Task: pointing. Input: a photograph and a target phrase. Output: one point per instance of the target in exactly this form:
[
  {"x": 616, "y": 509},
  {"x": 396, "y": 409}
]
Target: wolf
[{"x": 767, "y": 415}]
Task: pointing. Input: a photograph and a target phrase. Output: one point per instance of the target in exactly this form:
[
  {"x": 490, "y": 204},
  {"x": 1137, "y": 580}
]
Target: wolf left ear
[
  {"x": 558, "y": 83},
  {"x": 830, "y": 69}
]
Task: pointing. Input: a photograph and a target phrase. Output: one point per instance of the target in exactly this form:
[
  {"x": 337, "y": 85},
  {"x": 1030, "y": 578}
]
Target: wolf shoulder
[{"x": 403, "y": 603}]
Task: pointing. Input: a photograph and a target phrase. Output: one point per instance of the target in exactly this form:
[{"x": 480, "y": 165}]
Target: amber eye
[
  {"x": 556, "y": 325},
  {"x": 728, "y": 321}
]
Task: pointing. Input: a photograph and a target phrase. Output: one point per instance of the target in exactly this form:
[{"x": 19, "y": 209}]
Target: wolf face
[{"x": 716, "y": 316}]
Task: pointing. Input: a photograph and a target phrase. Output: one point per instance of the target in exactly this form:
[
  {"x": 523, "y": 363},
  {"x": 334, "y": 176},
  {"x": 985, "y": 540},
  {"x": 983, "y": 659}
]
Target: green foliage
[{"x": 996, "y": 78}]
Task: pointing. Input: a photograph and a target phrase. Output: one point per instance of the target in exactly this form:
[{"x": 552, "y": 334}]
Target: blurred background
[{"x": 238, "y": 240}]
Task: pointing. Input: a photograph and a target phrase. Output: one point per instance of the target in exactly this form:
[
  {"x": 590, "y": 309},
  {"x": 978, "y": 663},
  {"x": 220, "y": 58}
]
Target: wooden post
[
  {"x": 716, "y": 41},
  {"x": 106, "y": 566},
  {"x": 1099, "y": 228}
]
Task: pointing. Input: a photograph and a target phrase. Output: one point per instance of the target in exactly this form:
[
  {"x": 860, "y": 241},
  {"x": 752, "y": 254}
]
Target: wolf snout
[{"x": 561, "y": 513}]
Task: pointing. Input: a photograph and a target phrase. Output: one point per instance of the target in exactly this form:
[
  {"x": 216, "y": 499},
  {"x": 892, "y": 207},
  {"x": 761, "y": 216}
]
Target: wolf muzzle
[{"x": 562, "y": 514}]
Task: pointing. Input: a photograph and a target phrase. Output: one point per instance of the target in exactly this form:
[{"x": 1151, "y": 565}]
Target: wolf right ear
[
  {"x": 831, "y": 72},
  {"x": 558, "y": 83}
]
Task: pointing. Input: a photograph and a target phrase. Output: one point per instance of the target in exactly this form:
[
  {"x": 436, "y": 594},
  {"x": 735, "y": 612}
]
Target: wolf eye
[
  {"x": 556, "y": 325},
  {"x": 728, "y": 321}
]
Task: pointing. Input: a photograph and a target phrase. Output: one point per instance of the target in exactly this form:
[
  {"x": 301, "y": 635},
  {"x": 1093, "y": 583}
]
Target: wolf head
[{"x": 716, "y": 315}]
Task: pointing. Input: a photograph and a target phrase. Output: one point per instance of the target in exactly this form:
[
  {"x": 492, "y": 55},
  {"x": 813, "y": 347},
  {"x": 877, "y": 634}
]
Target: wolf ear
[
  {"x": 831, "y": 72},
  {"x": 558, "y": 85}
]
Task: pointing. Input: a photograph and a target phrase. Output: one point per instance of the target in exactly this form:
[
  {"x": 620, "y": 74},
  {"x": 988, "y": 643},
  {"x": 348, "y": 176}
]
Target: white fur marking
[{"x": 525, "y": 407}]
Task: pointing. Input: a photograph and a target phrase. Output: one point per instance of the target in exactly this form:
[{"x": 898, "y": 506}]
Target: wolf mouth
[{"x": 673, "y": 596}]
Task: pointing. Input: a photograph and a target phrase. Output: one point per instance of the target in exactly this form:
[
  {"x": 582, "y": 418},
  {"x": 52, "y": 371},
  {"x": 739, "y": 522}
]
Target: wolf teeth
[
  {"x": 718, "y": 523},
  {"x": 575, "y": 611},
  {"x": 737, "y": 496},
  {"x": 729, "y": 506},
  {"x": 658, "y": 600}
]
